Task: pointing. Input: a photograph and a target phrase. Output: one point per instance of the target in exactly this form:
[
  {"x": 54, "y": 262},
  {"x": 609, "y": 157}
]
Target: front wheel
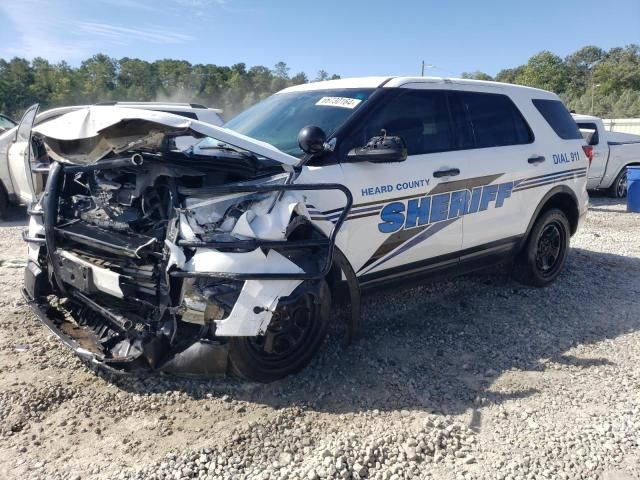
[
  {"x": 294, "y": 335},
  {"x": 619, "y": 187},
  {"x": 545, "y": 252}
]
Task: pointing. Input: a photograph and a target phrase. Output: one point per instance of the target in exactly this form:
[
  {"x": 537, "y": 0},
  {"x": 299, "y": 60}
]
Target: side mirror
[
  {"x": 382, "y": 149},
  {"x": 312, "y": 139}
]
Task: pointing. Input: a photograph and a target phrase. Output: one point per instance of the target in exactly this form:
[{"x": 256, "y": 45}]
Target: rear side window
[
  {"x": 493, "y": 120},
  {"x": 589, "y": 132},
  {"x": 557, "y": 115}
]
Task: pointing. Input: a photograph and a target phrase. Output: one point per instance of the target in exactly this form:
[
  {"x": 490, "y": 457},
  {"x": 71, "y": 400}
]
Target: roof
[
  {"x": 357, "y": 82},
  {"x": 391, "y": 82}
]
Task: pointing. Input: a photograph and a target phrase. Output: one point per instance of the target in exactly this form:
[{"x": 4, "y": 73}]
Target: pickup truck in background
[{"x": 611, "y": 153}]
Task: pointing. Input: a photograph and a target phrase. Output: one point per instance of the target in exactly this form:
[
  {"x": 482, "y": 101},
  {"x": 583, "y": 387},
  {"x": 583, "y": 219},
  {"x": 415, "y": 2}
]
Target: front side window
[
  {"x": 278, "y": 119},
  {"x": 559, "y": 118},
  {"x": 420, "y": 117},
  {"x": 494, "y": 121}
]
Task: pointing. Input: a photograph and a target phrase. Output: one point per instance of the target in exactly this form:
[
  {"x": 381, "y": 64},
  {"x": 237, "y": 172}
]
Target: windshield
[{"x": 278, "y": 119}]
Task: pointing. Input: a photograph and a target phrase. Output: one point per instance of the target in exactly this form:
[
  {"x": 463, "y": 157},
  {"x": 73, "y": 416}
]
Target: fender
[{"x": 554, "y": 191}]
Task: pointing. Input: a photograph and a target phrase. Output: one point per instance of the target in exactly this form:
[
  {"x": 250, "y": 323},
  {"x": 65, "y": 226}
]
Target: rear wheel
[
  {"x": 545, "y": 253},
  {"x": 619, "y": 187},
  {"x": 295, "y": 334}
]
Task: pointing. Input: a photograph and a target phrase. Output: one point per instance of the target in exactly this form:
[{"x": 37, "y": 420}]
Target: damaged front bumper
[{"x": 144, "y": 259}]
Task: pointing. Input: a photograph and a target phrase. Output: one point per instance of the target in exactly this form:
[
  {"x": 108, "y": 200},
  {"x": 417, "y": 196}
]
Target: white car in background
[
  {"x": 611, "y": 154},
  {"x": 13, "y": 140}
]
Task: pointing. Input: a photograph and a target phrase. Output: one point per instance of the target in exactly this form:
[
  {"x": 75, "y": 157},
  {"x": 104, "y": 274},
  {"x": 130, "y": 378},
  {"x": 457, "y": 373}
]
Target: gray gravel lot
[{"x": 476, "y": 378}]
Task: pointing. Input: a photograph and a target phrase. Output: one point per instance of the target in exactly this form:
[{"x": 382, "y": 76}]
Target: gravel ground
[{"x": 476, "y": 378}]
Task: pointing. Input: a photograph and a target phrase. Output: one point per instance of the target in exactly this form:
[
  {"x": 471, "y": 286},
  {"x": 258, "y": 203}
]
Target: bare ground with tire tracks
[{"x": 472, "y": 378}]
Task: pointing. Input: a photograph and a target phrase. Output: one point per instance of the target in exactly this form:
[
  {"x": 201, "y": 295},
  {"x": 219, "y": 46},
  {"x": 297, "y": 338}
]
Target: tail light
[{"x": 588, "y": 151}]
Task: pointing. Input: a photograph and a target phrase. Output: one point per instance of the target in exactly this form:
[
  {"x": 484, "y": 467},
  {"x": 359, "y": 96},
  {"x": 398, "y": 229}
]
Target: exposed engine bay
[{"x": 146, "y": 256}]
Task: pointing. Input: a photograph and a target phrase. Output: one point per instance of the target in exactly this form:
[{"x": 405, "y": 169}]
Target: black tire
[
  {"x": 4, "y": 202},
  {"x": 545, "y": 252},
  {"x": 618, "y": 188},
  {"x": 295, "y": 334}
]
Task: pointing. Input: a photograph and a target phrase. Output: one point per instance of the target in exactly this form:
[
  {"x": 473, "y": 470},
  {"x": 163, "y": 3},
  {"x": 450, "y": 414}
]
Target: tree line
[
  {"x": 608, "y": 80},
  {"x": 101, "y": 79}
]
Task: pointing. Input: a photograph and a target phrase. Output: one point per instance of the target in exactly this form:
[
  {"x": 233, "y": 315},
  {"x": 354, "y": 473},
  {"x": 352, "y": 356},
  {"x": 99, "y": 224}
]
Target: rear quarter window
[{"x": 559, "y": 118}]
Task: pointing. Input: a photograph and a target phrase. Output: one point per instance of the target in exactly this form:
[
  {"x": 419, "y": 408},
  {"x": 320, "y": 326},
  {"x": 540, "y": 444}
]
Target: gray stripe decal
[
  {"x": 422, "y": 236},
  {"x": 549, "y": 182},
  {"x": 527, "y": 183},
  {"x": 562, "y": 172},
  {"x": 468, "y": 183}
]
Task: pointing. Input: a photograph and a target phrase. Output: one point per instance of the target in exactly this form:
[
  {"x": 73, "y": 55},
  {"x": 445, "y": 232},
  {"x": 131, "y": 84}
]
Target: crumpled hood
[{"x": 88, "y": 134}]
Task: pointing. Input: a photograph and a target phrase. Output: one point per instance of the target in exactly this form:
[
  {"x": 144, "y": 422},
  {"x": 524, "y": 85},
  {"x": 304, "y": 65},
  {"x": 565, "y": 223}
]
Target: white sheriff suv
[{"x": 228, "y": 255}]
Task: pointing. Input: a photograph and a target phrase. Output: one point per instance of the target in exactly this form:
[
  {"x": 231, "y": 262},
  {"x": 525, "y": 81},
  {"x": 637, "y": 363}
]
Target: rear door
[
  {"x": 20, "y": 155},
  {"x": 498, "y": 151}
]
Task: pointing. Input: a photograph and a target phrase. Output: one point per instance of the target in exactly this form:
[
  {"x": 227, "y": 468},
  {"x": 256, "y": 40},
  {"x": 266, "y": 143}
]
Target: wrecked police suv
[{"x": 229, "y": 255}]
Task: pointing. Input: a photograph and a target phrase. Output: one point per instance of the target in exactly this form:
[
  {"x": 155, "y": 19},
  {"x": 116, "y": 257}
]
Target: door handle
[
  {"x": 452, "y": 172},
  {"x": 537, "y": 159}
]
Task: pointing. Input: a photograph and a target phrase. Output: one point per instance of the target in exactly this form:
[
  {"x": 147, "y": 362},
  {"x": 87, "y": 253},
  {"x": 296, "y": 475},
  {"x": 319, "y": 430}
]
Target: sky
[{"x": 347, "y": 37}]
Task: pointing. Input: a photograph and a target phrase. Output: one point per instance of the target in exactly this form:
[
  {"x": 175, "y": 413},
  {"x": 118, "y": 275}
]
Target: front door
[{"x": 401, "y": 220}]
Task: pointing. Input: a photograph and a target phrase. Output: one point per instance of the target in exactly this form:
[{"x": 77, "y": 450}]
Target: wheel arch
[
  {"x": 345, "y": 288},
  {"x": 341, "y": 279},
  {"x": 562, "y": 198},
  {"x": 618, "y": 171}
]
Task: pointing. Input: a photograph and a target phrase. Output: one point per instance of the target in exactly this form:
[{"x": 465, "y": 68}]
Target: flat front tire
[
  {"x": 545, "y": 252},
  {"x": 294, "y": 335}
]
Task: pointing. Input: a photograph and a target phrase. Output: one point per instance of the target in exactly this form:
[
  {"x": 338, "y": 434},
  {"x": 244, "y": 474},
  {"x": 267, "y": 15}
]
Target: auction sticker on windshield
[{"x": 343, "y": 102}]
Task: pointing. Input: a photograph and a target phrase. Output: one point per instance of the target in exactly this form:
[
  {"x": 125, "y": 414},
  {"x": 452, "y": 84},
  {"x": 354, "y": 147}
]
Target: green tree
[
  {"x": 281, "y": 70},
  {"x": 321, "y": 76},
  {"x": 477, "y": 75},
  {"x": 613, "y": 74},
  {"x": 136, "y": 81},
  {"x": 509, "y": 75},
  {"x": 98, "y": 78},
  {"x": 544, "y": 70}
]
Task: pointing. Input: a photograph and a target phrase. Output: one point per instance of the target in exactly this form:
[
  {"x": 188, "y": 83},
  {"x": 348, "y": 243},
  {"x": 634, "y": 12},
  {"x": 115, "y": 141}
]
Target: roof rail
[{"x": 182, "y": 104}]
